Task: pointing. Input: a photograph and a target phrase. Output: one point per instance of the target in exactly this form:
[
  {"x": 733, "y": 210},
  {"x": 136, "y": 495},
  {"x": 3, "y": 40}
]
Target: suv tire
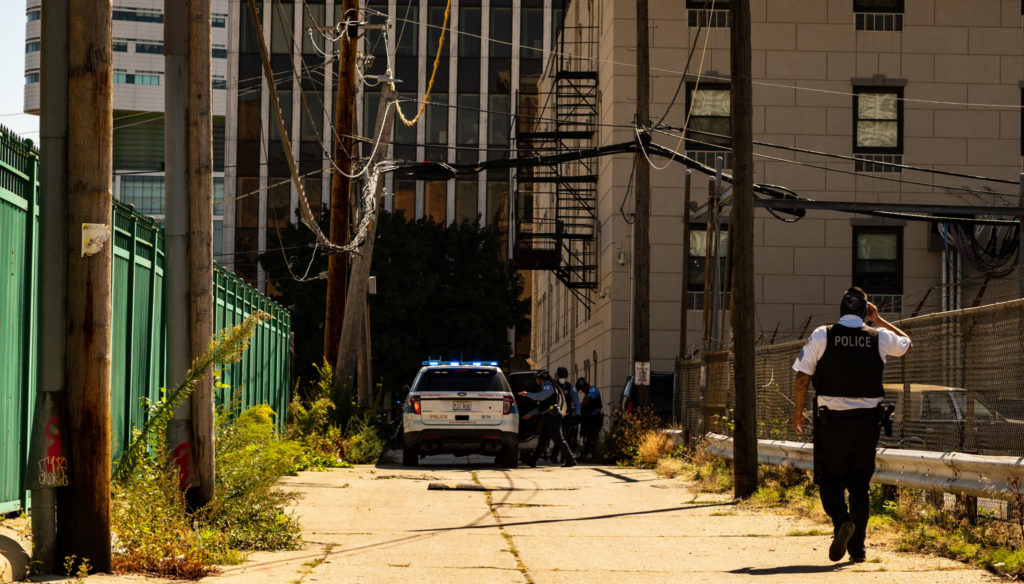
[
  {"x": 410, "y": 456},
  {"x": 509, "y": 457}
]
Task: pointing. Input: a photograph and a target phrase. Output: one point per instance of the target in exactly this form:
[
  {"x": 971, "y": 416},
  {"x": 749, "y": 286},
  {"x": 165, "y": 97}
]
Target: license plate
[{"x": 462, "y": 406}]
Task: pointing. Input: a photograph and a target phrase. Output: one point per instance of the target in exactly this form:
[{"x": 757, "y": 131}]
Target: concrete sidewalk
[{"x": 587, "y": 524}]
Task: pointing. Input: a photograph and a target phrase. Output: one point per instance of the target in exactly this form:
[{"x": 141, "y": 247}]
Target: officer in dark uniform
[
  {"x": 551, "y": 420},
  {"x": 845, "y": 361},
  {"x": 571, "y": 419},
  {"x": 592, "y": 418}
]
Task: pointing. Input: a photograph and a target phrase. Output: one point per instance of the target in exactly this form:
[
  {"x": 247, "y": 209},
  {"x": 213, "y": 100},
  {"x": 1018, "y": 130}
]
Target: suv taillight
[
  {"x": 414, "y": 400},
  {"x": 506, "y": 405}
]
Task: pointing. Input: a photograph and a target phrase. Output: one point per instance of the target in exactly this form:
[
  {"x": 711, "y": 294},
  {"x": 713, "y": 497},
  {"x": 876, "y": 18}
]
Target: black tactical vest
[{"x": 851, "y": 365}]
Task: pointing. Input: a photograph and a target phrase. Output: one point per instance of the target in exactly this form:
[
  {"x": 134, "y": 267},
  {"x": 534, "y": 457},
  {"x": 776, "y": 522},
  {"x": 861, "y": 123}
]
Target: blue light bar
[{"x": 459, "y": 363}]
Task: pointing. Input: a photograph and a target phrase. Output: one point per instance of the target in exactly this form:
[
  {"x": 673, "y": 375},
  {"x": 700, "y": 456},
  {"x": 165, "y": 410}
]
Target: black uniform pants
[
  {"x": 551, "y": 430},
  {"x": 846, "y": 443},
  {"x": 590, "y": 428}
]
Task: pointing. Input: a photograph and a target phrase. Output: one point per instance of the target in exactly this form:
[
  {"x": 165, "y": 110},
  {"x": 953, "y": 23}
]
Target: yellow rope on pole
[{"x": 430, "y": 85}]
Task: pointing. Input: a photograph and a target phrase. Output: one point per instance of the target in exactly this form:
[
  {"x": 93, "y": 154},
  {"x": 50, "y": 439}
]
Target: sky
[{"x": 12, "y": 71}]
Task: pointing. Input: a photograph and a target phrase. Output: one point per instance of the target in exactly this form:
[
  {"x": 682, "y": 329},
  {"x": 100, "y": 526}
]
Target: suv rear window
[{"x": 460, "y": 380}]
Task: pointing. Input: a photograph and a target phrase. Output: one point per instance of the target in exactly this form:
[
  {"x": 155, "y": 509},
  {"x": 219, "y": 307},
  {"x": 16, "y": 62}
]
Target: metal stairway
[{"x": 555, "y": 222}]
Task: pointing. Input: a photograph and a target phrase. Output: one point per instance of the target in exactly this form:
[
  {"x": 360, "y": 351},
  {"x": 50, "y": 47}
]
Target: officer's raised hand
[{"x": 872, "y": 314}]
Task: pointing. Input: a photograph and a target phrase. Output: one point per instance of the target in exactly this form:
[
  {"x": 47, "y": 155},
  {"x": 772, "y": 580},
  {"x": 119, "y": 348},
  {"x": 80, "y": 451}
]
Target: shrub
[
  {"x": 363, "y": 445},
  {"x": 249, "y": 508},
  {"x": 669, "y": 468},
  {"x": 628, "y": 432},
  {"x": 653, "y": 446}
]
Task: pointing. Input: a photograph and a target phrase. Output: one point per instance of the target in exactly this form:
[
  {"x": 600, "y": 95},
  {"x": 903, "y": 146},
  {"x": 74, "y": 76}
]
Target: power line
[
  {"x": 713, "y": 77},
  {"x": 851, "y": 158},
  {"x": 863, "y": 174}
]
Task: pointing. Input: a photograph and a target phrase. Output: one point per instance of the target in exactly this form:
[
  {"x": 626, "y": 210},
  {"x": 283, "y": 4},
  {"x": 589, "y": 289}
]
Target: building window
[
  {"x": 32, "y": 76},
  {"x": 138, "y": 14},
  {"x": 878, "y": 14},
  {"x": 119, "y": 45},
  {"x": 34, "y": 14},
  {"x": 219, "y": 52},
  {"x": 139, "y": 78},
  {"x": 32, "y": 46},
  {"x": 878, "y": 119},
  {"x": 149, "y": 47},
  {"x": 707, "y": 13},
  {"x": 696, "y": 263},
  {"x": 219, "y": 20},
  {"x": 878, "y": 264},
  {"x": 219, "y": 82},
  {"x": 709, "y": 131}
]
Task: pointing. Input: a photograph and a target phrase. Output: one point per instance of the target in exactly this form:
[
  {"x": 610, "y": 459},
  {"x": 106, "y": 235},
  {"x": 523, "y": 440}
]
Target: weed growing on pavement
[
  {"x": 670, "y": 468},
  {"x": 363, "y": 445},
  {"x": 156, "y": 532},
  {"x": 993, "y": 541},
  {"x": 249, "y": 508},
  {"x": 654, "y": 445}
]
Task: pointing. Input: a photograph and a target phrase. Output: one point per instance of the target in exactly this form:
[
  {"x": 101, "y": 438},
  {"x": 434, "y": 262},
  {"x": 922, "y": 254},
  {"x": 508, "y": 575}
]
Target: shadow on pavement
[
  {"x": 591, "y": 518},
  {"x": 790, "y": 569}
]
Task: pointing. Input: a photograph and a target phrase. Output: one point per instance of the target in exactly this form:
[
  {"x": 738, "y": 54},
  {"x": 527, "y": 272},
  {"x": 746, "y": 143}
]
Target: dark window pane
[
  {"x": 529, "y": 74},
  {"x": 465, "y": 200},
  {"x": 500, "y": 74},
  {"x": 404, "y": 200},
  {"x": 532, "y": 33},
  {"x": 878, "y": 5},
  {"x": 469, "y": 31},
  {"x": 467, "y": 131},
  {"x": 469, "y": 75},
  {"x": 437, "y": 119},
  {"x": 435, "y": 197},
  {"x": 501, "y": 32},
  {"x": 407, "y": 42}
]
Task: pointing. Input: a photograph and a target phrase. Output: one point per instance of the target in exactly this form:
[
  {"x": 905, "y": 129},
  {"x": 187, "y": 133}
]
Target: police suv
[{"x": 460, "y": 408}]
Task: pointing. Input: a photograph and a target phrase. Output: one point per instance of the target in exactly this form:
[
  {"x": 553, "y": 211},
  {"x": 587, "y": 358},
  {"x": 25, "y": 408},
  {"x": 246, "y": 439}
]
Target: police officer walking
[
  {"x": 591, "y": 416},
  {"x": 551, "y": 420},
  {"x": 845, "y": 361}
]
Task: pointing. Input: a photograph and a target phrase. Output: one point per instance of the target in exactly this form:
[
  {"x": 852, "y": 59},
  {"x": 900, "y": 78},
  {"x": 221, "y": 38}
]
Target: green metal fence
[
  {"x": 19, "y": 165},
  {"x": 138, "y": 339}
]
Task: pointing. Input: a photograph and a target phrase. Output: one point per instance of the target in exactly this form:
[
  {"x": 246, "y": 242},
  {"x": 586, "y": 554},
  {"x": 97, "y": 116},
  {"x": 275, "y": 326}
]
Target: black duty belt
[{"x": 854, "y": 413}]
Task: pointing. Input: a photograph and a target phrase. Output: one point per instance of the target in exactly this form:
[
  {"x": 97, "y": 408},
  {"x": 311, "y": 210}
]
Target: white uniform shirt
[{"x": 889, "y": 343}]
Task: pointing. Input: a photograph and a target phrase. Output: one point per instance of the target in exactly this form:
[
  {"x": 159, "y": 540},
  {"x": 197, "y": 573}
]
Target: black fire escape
[{"x": 555, "y": 205}]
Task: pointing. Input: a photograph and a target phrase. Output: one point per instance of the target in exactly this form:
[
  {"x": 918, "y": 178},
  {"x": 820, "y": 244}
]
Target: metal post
[
  {"x": 176, "y": 275},
  {"x": 683, "y": 296},
  {"x": 53, "y": 136}
]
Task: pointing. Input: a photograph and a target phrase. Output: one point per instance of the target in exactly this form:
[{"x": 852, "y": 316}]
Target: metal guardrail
[{"x": 992, "y": 477}]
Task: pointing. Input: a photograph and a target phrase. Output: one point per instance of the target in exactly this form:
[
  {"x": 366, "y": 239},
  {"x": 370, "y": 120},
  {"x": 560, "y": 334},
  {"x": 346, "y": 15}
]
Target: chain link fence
[{"x": 960, "y": 389}]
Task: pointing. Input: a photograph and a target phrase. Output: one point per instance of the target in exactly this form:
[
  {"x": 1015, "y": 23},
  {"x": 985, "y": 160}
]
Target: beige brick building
[{"x": 934, "y": 84}]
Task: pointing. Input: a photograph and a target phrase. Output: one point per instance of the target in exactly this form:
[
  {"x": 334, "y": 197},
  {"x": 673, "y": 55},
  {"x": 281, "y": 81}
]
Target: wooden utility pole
[
  {"x": 200, "y": 239},
  {"x": 344, "y": 126},
  {"x": 642, "y": 211},
  {"x": 355, "y": 301},
  {"x": 742, "y": 252},
  {"x": 84, "y": 522}
]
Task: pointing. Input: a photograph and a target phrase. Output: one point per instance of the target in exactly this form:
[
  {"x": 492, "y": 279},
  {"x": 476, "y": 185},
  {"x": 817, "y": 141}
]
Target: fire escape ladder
[{"x": 556, "y": 204}]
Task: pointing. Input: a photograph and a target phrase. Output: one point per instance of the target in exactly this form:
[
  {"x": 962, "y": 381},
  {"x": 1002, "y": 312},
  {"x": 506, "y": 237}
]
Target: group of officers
[{"x": 583, "y": 418}]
